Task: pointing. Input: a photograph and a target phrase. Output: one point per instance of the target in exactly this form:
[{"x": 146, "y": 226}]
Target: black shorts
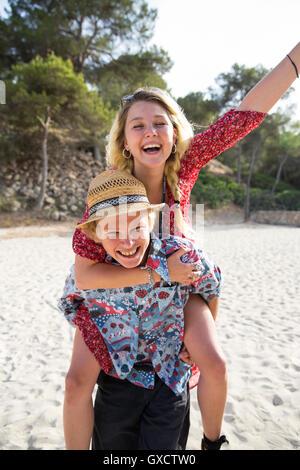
[{"x": 129, "y": 417}]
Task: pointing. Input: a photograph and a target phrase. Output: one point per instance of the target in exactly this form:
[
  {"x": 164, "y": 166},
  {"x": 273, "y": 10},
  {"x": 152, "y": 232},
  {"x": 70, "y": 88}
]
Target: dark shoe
[{"x": 206, "y": 444}]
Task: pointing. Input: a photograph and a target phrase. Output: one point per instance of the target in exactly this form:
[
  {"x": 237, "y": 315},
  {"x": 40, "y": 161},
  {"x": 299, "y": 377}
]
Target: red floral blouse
[{"x": 220, "y": 136}]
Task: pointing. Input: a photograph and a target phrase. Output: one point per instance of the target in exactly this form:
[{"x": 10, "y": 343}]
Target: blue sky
[{"x": 205, "y": 38}]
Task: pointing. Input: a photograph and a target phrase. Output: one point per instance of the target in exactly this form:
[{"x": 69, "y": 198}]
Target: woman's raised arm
[{"x": 269, "y": 90}]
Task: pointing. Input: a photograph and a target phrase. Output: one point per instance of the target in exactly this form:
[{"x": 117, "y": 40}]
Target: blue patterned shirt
[{"x": 142, "y": 326}]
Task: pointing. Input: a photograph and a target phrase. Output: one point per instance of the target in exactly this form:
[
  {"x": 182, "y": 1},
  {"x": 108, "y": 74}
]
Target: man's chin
[
  {"x": 129, "y": 262},
  {"x": 129, "y": 265}
]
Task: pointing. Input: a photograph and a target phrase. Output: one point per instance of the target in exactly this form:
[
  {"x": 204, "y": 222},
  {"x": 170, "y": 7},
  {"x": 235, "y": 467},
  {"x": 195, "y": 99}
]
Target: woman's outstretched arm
[{"x": 269, "y": 90}]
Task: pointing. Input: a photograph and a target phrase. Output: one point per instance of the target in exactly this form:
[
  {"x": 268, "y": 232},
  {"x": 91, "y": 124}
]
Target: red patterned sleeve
[
  {"x": 85, "y": 247},
  {"x": 220, "y": 136}
]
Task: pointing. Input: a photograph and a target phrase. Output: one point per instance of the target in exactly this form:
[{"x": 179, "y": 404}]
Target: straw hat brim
[{"x": 119, "y": 210}]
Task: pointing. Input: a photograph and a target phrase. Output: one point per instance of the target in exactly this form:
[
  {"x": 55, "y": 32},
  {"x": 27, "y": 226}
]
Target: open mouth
[
  {"x": 129, "y": 253},
  {"x": 151, "y": 148}
]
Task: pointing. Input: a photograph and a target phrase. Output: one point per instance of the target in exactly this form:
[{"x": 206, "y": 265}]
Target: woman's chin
[{"x": 153, "y": 161}]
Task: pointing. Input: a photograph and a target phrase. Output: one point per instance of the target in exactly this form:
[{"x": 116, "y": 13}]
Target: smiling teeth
[
  {"x": 151, "y": 147},
  {"x": 128, "y": 253}
]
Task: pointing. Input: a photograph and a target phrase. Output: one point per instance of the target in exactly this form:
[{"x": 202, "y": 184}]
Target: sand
[{"x": 258, "y": 324}]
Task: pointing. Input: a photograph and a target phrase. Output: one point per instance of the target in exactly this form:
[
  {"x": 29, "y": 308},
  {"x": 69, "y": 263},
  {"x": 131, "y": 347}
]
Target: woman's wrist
[
  {"x": 156, "y": 277},
  {"x": 150, "y": 275},
  {"x": 294, "y": 58}
]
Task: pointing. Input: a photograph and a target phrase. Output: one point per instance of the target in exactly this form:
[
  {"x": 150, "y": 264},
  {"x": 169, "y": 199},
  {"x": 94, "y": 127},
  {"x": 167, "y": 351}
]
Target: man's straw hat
[{"x": 116, "y": 192}]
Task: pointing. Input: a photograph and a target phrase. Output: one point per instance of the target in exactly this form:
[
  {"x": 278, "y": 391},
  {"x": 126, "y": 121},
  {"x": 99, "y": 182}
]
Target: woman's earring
[
  {"x": 128, "y": 157},
  {"x": 174, "y": 148}
]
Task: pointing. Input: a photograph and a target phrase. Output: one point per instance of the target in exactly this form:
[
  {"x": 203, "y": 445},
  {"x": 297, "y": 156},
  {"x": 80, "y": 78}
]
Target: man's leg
[
  {"x": 118, "y": 407},
  {"x": 165, "y": 420}
]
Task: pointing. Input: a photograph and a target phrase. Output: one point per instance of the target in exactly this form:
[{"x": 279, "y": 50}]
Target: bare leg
[
  {"x": 78, "y": 411},
  {"x": 201, "y": 340}
]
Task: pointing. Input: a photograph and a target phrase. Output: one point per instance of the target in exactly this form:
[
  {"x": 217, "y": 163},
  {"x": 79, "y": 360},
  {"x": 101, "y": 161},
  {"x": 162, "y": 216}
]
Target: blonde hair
[
  {"x": 184, "y": 130},
  {"x": 90, "y": 230}
]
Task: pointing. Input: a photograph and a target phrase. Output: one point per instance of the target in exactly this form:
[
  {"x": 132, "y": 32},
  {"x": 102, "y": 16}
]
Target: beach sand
[{"x": 258, "y": 325}]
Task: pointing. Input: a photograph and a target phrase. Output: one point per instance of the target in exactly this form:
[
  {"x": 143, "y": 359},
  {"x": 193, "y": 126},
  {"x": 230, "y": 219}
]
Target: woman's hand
[
  {"x": 184, "y": 273},
  {"x": 185, "y": 355}
]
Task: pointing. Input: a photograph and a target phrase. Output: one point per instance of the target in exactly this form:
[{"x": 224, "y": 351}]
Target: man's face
[{"x": 125, "y": 237}]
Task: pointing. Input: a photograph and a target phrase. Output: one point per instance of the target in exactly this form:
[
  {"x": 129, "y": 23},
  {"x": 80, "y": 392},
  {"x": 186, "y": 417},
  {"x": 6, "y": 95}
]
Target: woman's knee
[
  {"x": 220, "y": 367},
  {"x": 215, "y": 368},
  {"x": 76, "y": 386}
]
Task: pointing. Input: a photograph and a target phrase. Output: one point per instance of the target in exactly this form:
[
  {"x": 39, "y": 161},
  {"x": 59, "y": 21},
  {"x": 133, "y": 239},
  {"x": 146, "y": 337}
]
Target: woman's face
[
  {"x": 149, "y": 134},
  {"x": 125, "y": 237}
]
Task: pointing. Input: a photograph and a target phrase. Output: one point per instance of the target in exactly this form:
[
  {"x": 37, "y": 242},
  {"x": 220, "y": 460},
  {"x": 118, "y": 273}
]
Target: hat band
[{"x": 117, "y": 201}]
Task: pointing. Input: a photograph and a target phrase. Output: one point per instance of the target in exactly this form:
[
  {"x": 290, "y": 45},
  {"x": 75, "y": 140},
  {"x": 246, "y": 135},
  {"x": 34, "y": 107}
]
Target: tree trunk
[
  {"x": 238, "y": 175},
  {"x": 282, "y": 162},
  {"x": 40, "y": 200},
  {"x": 247, "y": 201},
  {"x": 97, "y": 154}
]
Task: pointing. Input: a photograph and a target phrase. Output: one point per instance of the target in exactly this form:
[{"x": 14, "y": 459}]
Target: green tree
[
  {"x": 46, "y": 96},
  {"x": 106, "y": 40},
  {"x": 199, "y": 109},
  {"x": 122, "y": 76},
  {"x": 280, "y": 134},
  {"x": 91, "y": 34},
  {"x": 262, "y": 140},
  {"x": 289, "y": 145},
  {"x": 232, "y": 88}
]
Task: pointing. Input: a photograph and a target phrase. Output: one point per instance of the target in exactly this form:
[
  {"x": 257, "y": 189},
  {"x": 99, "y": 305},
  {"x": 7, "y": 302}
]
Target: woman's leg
[
  {"x": 78, "y": 411},
  {"x": 201, "y": 340}
]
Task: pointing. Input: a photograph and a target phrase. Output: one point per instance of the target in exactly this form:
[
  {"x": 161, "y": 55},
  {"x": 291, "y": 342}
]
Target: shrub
[
  {"x": 266, "y": 182},
  {"x": 239, "y": 193},
  {"x": 9, "y": 204},
  {"x": 216, "y": 191},
  {"x": 288, "y": 200},
  {"x": 261, "y": 200},
  {"x": 212, "y": 191}
]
